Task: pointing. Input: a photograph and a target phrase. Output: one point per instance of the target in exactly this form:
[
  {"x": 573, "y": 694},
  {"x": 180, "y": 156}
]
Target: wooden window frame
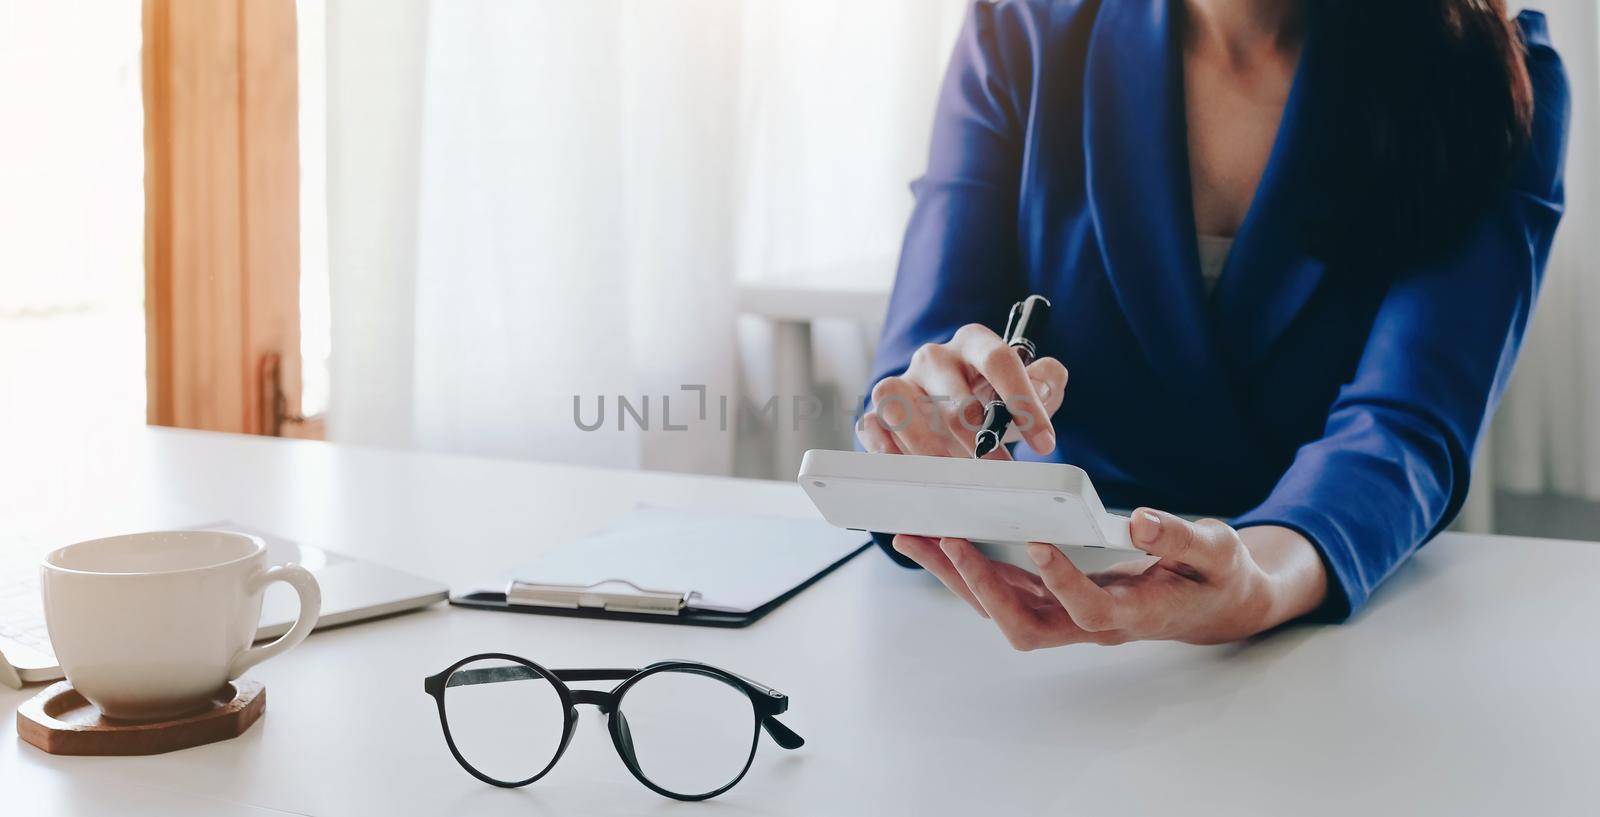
[{"x": 222, "y": 215}]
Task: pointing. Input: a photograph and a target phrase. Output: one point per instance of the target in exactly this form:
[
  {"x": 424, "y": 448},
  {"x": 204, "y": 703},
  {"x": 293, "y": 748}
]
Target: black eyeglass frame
[{"x": 766, "y": 703}]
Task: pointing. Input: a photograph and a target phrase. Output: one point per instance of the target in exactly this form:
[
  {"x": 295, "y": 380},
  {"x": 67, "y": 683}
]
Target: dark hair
[{"x": 1429, "y": 108}]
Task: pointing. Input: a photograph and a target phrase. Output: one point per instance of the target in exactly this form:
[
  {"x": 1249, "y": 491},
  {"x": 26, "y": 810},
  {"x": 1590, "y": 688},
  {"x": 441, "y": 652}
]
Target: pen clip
[
  {"x": 1023, "y": 314},
  {"x": 1011, "y": 322}
]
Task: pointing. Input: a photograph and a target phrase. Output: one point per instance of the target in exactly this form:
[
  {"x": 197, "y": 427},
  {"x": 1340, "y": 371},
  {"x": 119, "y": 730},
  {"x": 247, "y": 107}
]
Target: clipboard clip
[{"x": 634, "y": 599}]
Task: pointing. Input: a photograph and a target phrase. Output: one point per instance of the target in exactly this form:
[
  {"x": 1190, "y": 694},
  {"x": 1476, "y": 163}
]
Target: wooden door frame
[{"x": 222, "y": 211}]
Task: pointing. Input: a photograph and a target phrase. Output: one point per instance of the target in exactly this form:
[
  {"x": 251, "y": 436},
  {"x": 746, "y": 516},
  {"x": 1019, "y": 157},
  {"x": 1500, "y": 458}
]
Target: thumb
[{"x": 1208, "y": 545}]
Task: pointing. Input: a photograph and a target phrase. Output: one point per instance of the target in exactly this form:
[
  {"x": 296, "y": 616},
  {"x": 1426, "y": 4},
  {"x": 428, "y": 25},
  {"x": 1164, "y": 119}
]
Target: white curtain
[
  {"x": 536, "y": 201},
  {"x": 1547, "y": 434},
  {"x": 72, "y": 342}
]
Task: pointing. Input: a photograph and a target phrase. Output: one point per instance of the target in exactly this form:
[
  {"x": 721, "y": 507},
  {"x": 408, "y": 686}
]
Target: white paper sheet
[{"x": 731, "y": 563}]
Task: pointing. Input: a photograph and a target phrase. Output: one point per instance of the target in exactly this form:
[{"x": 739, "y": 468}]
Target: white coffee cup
[{"x": 151, "y": 625}]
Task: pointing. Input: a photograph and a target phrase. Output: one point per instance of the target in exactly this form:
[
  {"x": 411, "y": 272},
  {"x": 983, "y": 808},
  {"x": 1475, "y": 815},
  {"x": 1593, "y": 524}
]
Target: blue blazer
[{"x": 1295, "y": 395}]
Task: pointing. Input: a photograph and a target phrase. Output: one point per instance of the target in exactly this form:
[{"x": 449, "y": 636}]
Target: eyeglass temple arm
[
  {"x": 782, "y": 735},
  {"x": 773, "y": 703}
]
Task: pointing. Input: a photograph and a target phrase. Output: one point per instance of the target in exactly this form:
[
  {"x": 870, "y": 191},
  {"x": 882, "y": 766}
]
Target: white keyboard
[
  {"x": 21, "y": 611},
  {"x": 25, "y": 653}
]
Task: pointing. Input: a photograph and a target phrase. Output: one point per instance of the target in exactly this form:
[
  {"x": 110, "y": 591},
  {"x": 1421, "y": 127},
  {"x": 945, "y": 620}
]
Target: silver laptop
[{"x": 352, "y": 590}]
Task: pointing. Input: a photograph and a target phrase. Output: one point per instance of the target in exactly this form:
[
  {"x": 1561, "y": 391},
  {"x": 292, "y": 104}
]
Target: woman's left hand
[{"x": 1210, "y": 584}]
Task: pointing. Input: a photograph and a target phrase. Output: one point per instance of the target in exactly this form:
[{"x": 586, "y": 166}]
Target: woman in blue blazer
[{"x": 1292, "y": 249}]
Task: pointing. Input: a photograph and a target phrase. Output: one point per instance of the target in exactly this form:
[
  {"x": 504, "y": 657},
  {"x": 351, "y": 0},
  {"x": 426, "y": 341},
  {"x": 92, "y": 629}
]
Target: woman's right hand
[{"x": 936, "y": 408}]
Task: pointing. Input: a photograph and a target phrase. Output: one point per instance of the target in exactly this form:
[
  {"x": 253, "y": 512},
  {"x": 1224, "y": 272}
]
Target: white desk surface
[{"x": 1468, "y": 687}]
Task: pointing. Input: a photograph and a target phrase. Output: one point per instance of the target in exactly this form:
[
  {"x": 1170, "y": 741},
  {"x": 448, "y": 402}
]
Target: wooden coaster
[{"x": 59, "y": 721}]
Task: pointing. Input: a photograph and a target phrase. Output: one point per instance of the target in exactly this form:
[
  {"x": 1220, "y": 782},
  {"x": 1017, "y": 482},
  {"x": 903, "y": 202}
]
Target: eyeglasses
[{"x": 684, "y": 729}]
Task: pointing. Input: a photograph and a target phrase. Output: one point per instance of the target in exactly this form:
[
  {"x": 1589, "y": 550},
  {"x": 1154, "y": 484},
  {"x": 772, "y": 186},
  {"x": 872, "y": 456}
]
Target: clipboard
[{"x": 681, "y": 568}]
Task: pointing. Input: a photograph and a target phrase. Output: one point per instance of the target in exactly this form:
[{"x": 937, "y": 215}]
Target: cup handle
[{"x": 310, "y": 607}]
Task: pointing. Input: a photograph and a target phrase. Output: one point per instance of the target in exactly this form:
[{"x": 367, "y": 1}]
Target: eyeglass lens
[
  {"x": 504, "y": 718},
  {"x": 690, "y": 733}
]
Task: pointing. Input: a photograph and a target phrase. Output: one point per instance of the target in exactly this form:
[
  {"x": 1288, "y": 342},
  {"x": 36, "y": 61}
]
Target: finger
[
  {"x": 999, "y": 364},
  {"x": 1049, "y": 378},
  {"x": 874, "y": 437},
  {"x": 1024, "y": 580},
  {"x": 958, "y": 407},
  {"x": 1050, "y": 382},
  {"x": 940, "y": 371},
  {"x": 926, "y": 552},
  {"x": 1091, "y": 606},
  {"x": 1124, "y": 570},
  {"x": 903, "y": 409},
  {"x": 1208, "y": 546},
  {"x": 935, "y": 440},
  {"x": 1018, "y": 622}
]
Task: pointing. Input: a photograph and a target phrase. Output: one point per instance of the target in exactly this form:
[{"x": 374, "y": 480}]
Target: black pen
[{"x": 996, "y": 417}]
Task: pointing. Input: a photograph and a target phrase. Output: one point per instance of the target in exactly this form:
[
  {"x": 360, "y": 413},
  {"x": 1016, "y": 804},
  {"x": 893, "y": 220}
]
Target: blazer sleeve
[
  {"x": 1392, "y": 467},
  {"x": 959, "y": 262}
]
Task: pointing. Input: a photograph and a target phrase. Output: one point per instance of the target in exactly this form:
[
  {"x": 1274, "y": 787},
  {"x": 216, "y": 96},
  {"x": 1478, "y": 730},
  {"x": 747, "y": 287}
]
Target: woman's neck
[{"x": 1244, "y": 31}]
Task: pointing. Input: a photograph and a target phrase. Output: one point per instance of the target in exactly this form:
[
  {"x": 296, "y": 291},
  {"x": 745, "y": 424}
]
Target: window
[{"x": 72, "y": 347}]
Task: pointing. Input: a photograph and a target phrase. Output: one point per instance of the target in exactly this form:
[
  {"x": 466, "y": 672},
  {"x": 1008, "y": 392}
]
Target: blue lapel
[
  {"x": 1138, "y": 183},
  {"x": 1270, "y": 275},
  {"x": 1137, "y": 179}
]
